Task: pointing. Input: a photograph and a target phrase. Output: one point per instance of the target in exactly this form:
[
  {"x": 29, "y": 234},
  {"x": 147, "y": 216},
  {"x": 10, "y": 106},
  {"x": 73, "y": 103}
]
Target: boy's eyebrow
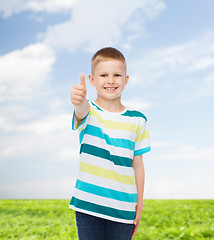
[{"x": 118, "y": 73}]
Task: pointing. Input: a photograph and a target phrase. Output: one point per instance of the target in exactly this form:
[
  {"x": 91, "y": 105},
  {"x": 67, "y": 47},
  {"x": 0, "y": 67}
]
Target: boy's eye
[
  {"x": 117, "y": 75},
  {"x": 103, "y": 75}
]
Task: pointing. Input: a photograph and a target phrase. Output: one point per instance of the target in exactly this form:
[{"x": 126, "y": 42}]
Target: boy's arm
[
  {"x": 139, "y": 179},
  {"x": 78, "y": 99}
]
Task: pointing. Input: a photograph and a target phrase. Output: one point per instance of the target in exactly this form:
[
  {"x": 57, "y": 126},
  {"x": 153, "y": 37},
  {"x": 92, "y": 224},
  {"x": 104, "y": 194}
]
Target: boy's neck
[{"x": 110, "y": 105}]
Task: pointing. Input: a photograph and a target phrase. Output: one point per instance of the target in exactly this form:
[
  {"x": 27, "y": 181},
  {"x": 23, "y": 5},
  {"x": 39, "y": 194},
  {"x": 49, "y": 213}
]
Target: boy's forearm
[
  {"x": 139, "y": 178},
  {"x": 82, "y": 110}
]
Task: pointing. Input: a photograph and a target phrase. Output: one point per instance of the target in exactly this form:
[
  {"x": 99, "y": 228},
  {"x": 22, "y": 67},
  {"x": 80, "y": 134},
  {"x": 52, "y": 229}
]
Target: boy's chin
[{"x": 108, "y": 98}]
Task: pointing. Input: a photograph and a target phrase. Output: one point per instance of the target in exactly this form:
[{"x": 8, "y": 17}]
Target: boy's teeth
[{"x": 110, "y": 88}]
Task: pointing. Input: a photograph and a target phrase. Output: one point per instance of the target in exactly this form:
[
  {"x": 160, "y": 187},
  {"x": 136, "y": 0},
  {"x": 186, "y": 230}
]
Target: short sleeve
[
  {"x": 83, "y": 124},
  {"x": 142, "y": 141}
]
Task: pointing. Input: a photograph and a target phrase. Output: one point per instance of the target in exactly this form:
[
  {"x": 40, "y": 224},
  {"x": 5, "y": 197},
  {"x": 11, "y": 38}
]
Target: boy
[{"x": 108, "y": 196}]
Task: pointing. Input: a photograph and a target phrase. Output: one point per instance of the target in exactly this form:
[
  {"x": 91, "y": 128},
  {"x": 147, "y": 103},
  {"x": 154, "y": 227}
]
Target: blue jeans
[{"x": 95, "y": 228}]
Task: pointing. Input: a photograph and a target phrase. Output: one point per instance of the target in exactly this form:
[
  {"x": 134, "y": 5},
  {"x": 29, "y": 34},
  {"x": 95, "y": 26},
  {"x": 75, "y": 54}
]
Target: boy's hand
[
  {"x": 78, "y": 92},
  {"x": 139, "y": 209}
]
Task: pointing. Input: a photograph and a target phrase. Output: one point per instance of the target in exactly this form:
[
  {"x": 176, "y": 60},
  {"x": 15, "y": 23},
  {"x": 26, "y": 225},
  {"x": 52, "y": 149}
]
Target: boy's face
[{"x": 109, "y": 79}]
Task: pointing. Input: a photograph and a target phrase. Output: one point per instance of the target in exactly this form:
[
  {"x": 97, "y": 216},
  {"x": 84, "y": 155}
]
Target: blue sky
[{"x": 45, "y": 45}]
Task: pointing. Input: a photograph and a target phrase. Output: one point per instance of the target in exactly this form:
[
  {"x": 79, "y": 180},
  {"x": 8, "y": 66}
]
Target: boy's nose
[{"x": 111, "y": 80}]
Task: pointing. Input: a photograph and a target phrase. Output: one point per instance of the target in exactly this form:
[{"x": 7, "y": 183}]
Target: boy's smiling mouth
[{"x": 110, "y": 88}]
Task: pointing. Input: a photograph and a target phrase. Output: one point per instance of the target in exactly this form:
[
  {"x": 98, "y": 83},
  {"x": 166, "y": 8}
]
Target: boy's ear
[
  {"x": 126, "y": 79},
  {"x": 91, "y": 80}
]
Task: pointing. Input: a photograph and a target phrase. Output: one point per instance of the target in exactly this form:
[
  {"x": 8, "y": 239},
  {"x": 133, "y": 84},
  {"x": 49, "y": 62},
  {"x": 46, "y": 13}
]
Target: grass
[{"x": 161, "y": 220}]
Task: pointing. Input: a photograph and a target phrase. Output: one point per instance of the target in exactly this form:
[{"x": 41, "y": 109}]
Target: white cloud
[
  {"x": 185, "y": 153},
  {"x": 27, "y": 130},
  {"x": 98, "y": 23},
  {"x": 47, "y": 125},
  {"x": 161, "y": 144},
  {"x": 55, "y": 189},
  {"x": 181, "y": 72},
  {"x": 70, "y": 153},
  {"x": 185, "y": 170},
  {"x": 24, "y": 75},
  {"x": 138, "y": 103},
  {"x": 51, "y": 6},
  {"x": 206, "y": 87},
  {"x": 51, "y": 135},
  {"x": 23, "y": 72},
  {"x": 186, "y": 187},
  {"x": 161, "y": 63},
  {"x": 8, "y": 8}
]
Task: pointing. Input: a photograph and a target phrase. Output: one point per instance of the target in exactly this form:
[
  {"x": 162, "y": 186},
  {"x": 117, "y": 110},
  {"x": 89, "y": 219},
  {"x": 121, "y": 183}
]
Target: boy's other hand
[
  {"x": 78, "y": 92},
  {"x": 139, "y": 209}
]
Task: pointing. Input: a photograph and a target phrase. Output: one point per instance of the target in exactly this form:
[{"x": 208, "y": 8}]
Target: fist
[{"x": 78, "y": 92}]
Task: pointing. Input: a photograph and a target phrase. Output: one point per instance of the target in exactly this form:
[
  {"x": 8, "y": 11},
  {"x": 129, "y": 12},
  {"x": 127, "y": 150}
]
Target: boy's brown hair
[{"x": 105, "y": 54}]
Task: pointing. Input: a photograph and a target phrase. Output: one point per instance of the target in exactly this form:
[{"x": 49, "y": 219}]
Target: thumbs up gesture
[
  {"x": 78, "y": 99},
  {"x": 78, "y": 92}
]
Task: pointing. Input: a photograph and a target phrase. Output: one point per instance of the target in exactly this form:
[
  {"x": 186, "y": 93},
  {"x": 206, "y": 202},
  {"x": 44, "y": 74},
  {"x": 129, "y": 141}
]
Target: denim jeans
[{"x": 95, "y": 228}]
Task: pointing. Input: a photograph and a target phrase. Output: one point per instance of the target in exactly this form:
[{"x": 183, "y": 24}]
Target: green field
[{"x": 161, "y": 220}]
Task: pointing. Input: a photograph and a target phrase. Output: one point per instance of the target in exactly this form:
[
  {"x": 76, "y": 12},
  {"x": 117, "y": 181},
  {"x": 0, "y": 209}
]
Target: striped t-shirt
[{"x": 105, "y": 185}]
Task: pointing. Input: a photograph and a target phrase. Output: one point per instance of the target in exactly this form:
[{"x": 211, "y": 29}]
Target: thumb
[{"x": 82, "y": 79}]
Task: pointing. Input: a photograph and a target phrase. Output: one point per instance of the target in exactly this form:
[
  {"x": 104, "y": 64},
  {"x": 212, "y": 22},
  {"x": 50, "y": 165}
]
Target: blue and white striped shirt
[{"x": 105, "y": 185}]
